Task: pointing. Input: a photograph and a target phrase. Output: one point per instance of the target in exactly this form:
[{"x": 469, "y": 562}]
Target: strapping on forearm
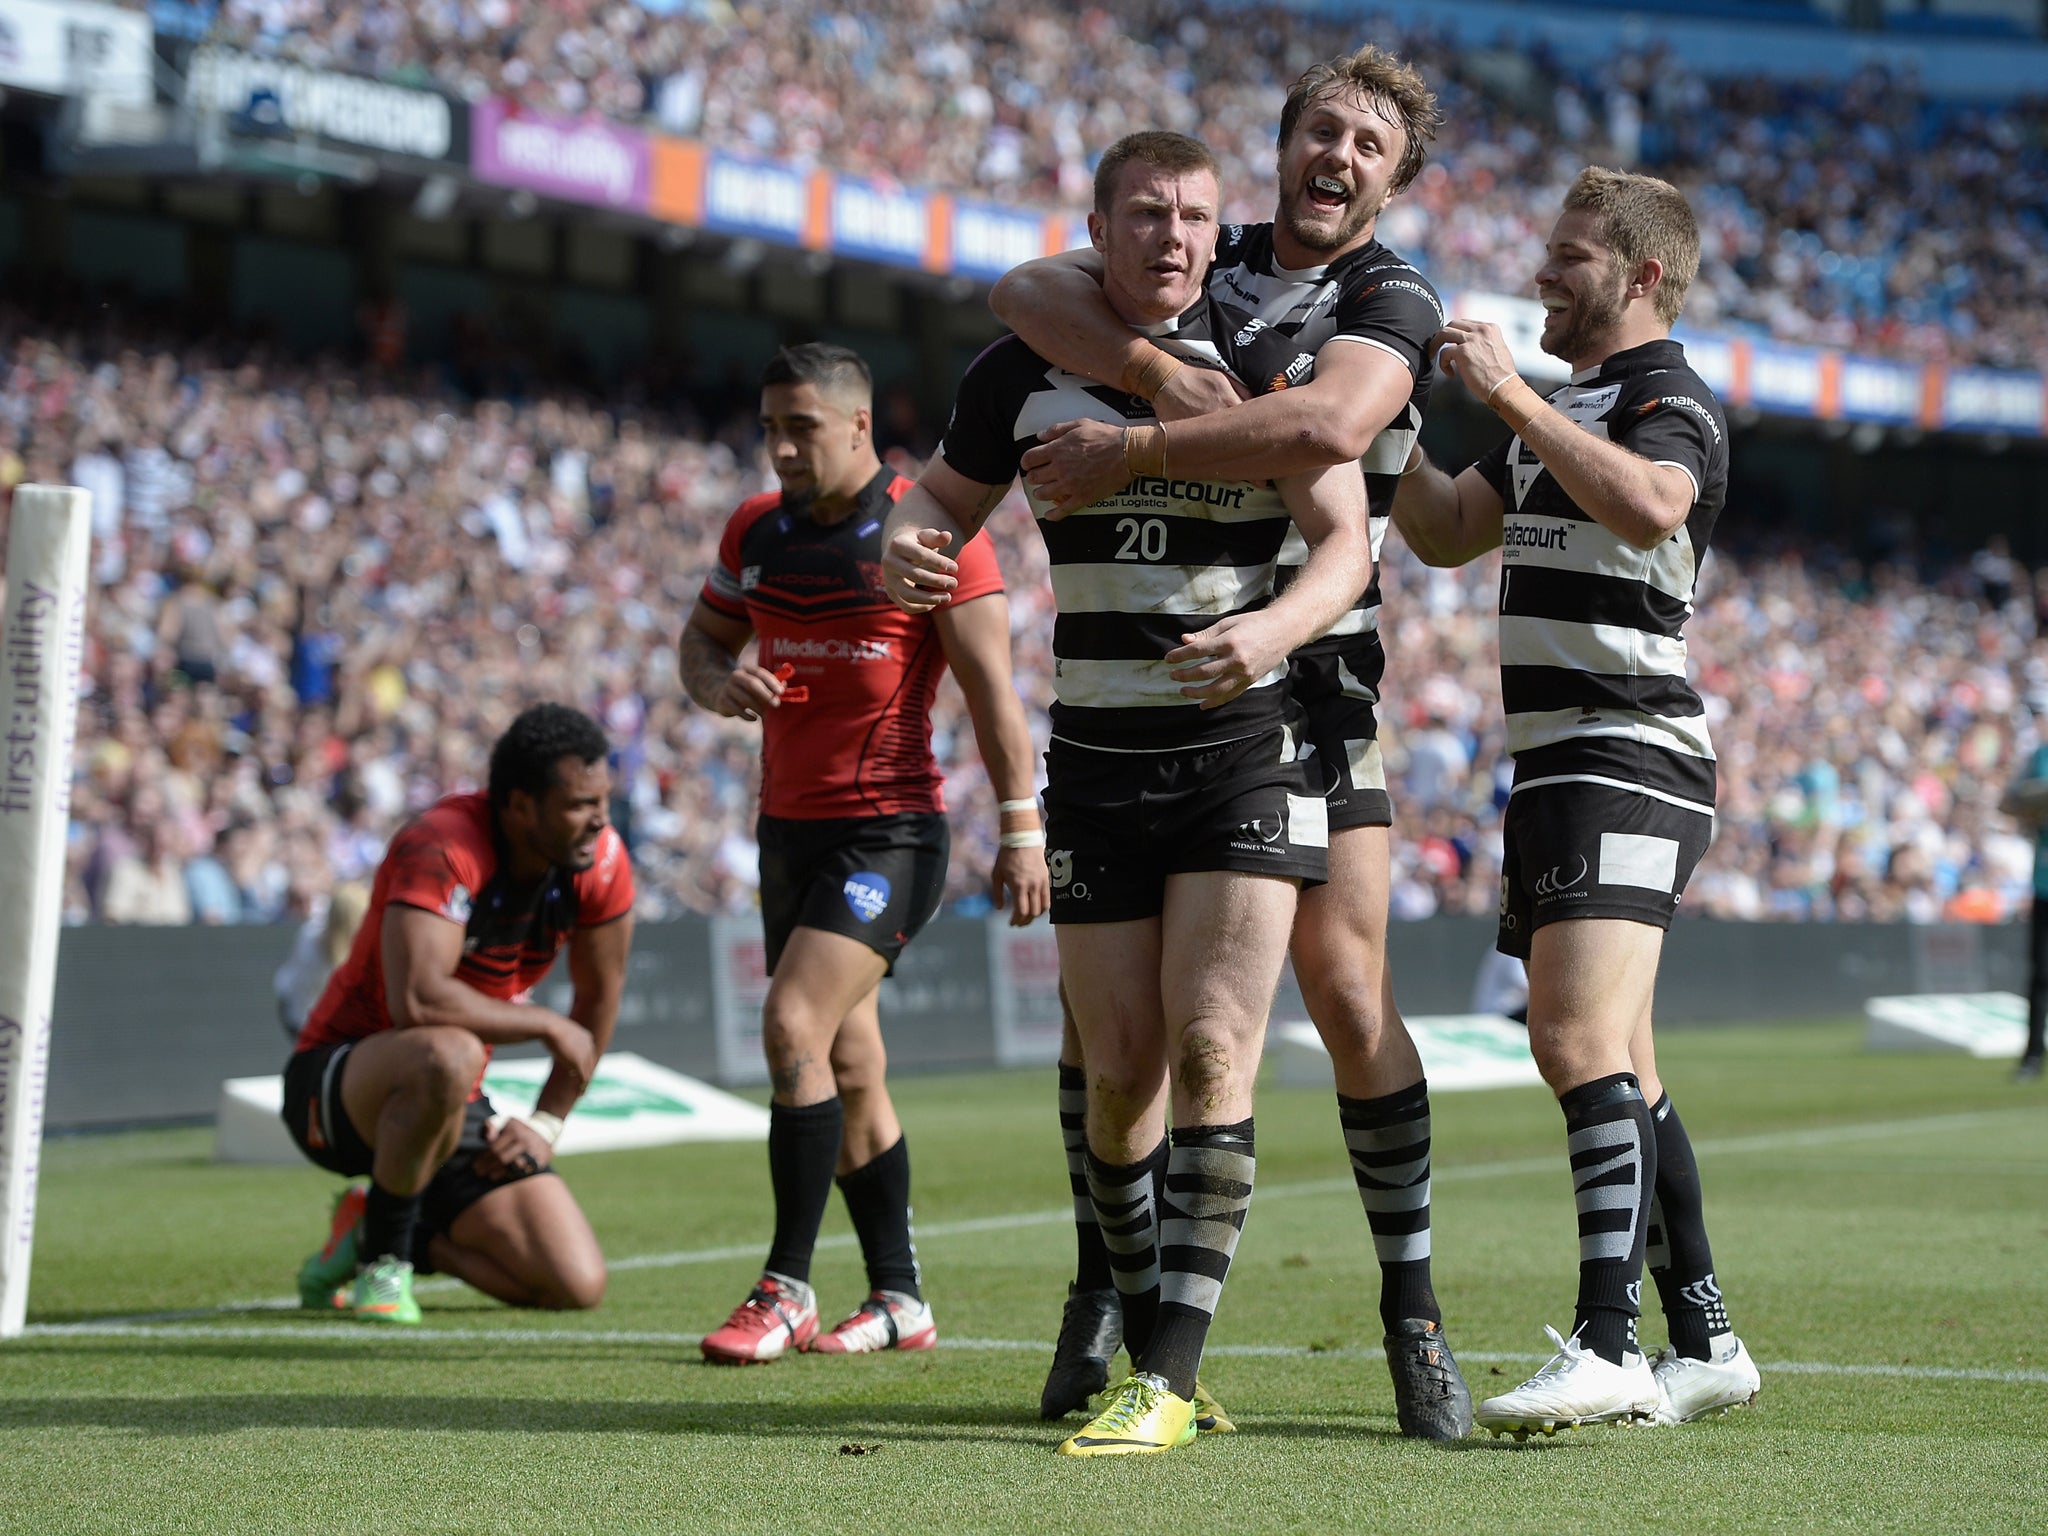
[
  {"x": 1515, "y": 401},
  {"x": 1148, "y": 368},
  {"x": 1145, "y": 450}
]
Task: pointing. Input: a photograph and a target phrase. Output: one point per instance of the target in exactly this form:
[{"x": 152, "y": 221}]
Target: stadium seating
[{"x": 1858, "y": 214}]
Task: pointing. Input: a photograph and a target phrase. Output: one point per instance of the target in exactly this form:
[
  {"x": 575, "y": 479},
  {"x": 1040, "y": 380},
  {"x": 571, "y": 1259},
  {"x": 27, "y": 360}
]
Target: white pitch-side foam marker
[{"x": 42, "y": 640}]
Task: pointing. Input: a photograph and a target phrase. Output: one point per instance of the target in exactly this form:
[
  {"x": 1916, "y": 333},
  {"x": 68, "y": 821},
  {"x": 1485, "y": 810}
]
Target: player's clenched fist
[
  {"x": 1475, "y": 352},
  {"x": 916, "y": 570}
]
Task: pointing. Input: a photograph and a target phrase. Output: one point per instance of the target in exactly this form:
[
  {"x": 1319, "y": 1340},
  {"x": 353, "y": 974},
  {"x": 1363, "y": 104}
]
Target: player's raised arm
[
  {"x": 941, "y": 512},
  {"x": 1445, "y": 521},
  {"x": 1329, "y": 507},
  {"x": 976, "y": 637},
  {"x": 1633, "y": 497}
]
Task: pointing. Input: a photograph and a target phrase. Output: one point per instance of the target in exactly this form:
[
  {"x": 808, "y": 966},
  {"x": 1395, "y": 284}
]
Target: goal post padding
[{"x": 42, "y": 641}]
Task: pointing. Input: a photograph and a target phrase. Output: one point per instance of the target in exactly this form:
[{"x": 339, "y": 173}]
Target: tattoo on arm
[
  {"x": 706, "y": 665},
  {"x": 990, "y": 500}
]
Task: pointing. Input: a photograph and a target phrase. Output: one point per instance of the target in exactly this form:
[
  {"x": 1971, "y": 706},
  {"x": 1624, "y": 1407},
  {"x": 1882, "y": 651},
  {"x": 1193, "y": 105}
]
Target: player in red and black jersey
[
  {"x": 472, "y": 903},
  {"x": 852, "y": 830}
]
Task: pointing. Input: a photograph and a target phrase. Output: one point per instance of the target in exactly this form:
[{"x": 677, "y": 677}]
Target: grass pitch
[{"x": 1878, "y": 1224}]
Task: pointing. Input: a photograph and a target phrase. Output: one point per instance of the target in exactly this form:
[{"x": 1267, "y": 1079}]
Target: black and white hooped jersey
[
  {"x": 1269, "y": 323},
  {"x": 1592, "y": 643},
  {"x": 1132, "y": 574}
]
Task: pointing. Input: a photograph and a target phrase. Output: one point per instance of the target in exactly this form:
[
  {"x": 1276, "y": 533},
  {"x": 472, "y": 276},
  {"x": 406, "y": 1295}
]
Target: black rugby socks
[
  {"x": 878, "y": 1199},
  {"x": 803, "y": 1149},
  {"x": 390, "y": 1225},
  {"x": 1208, "y": 1193},
  {"x": 1388, "y": 1138},
  {"x": 1681, "y": 1261}
]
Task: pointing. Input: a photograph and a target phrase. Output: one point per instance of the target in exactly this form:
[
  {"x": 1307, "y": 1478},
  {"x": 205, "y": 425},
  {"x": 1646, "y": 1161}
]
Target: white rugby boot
[
  {"x": 1692, "y": 1389},
  {"x": 1576, "y": 1387}
]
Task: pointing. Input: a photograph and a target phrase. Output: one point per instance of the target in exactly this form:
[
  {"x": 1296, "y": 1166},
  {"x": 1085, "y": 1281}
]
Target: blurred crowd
[
  {"x": 1858, "y": 214},
  {"x": 317, "y": 601}
]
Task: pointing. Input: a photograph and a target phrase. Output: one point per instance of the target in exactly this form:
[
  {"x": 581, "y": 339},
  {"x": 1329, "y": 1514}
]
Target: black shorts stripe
[
  {"x": 1097, "y": 539},
  {"x": 1538, "y": 690},
  {"x": 1582, "y": 597},
  {"x": 1128, "y": 636}
]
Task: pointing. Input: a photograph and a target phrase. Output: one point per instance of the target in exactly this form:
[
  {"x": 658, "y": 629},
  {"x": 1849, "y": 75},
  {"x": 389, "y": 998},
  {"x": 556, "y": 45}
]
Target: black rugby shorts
[
  {"x": 1335, "y": 691},
  {"x": 1591, "y": 850},
  {"x": 1117, "y": 824},
  {"x": 876, "y": 879}
]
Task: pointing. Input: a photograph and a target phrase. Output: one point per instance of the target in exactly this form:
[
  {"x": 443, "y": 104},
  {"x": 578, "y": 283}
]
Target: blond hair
[
  {"x": 345, "y": 910},
  {"x": 1376, "y": 75},
  {"x": 1644, "y": 219}
]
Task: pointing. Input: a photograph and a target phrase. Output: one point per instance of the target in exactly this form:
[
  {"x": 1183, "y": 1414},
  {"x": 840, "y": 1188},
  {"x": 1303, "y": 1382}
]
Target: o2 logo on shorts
[{"x": 867, "y": 893}]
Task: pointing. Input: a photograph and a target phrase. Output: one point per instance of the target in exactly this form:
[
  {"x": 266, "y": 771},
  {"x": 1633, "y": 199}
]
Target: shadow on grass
[{"x": 226, "y": 1413}]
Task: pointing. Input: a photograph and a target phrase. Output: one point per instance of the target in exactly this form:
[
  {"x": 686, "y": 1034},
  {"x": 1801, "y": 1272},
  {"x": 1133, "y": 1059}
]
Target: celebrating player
[
  {"x": 1602, "y": 503},
  {"x": 852, "y": 831},
  {"x": 1329, "y": 331},
  {"x": 472, "y": 903},
  {"x": 1180, "y": 833}
]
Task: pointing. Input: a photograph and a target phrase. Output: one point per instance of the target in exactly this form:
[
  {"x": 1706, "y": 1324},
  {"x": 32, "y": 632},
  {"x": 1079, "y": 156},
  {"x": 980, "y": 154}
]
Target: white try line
[
  {"x": 1517, "y": 1167},
  {"x": 344, "y": 1331}
]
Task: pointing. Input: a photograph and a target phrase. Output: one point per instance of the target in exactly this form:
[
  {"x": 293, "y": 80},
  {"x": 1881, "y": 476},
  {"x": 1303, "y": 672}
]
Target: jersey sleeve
[
  {"x": 980, "y": 575},
  {"x": 722, "y": 591},
  {"x": 433, "y": 870},
  {"x": 1493, "y": 467},
  {"x": 979, "y": 441},
  {"x": 605, "y": 890},
  {"x": 1396, "y": 311},
  {"x": 1676, "y": 421}
]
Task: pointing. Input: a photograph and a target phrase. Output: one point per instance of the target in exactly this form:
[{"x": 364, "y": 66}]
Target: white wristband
[
  {"x": 1010, "y": 807},
  {"x": 546, "y": 1126},
  {"x": 1032, "y": 839}
]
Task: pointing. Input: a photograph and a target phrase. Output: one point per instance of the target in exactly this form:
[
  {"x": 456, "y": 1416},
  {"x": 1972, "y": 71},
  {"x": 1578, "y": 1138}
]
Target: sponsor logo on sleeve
[{"x": 459, "y": 904}]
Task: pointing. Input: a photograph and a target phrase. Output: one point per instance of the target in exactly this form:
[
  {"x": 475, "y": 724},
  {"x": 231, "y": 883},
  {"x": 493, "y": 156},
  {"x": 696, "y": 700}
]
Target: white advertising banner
[{"x": 76, "y": 48}]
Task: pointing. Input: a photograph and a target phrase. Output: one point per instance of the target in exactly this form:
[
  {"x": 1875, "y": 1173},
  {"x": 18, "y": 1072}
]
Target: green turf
[{"x": 1867, "y": 1211}]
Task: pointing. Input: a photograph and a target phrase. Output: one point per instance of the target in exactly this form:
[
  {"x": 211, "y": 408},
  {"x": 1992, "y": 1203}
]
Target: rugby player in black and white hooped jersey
[
  {"x": 1602, "y": 503},
  {"x": 1328, "y": 330},
  {"x": 1178, "y": 829}
]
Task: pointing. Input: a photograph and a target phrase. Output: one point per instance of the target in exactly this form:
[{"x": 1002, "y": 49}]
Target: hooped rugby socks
[
  {"x": 1681, "y": 1261},
  {"x": 1388, "y": 1138},
  {"x": 1127, "y": 1213},
  {"x": 1614, "y": 1167},
  {"x": 390, "y": 1225},
  {"x": 1091, "y": 1259},
  {"x": 878, "y": 1199},
  {"x": 803, "y": 1149},
  {"x": 1208, "y": 1193}
]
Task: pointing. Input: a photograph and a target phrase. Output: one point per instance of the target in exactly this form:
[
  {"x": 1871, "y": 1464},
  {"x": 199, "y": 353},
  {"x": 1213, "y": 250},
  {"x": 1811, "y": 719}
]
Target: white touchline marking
[
  {"x": 1517, "y": 1167},
  {"x": 345, "y": 1332}
]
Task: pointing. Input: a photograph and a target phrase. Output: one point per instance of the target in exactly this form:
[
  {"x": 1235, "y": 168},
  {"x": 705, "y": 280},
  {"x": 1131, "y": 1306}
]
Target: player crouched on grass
[
  {"x": 1181, "y": 822},
  {"x": 471, "y": 905},
  {"x": 1602, "y": 503},
  {"x": 853, "y": 832}
]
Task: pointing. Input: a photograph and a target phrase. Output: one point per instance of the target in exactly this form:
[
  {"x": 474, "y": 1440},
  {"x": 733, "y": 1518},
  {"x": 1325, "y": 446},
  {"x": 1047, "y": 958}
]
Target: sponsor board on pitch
[
  {"x": 1988, "y": 1024},
  {"x": 1458, "y": 1050},
  {"x": 631, "y": 1102}
]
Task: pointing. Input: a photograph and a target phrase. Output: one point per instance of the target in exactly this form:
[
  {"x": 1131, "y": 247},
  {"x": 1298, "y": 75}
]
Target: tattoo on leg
[{"x": 785, "y": 1078}]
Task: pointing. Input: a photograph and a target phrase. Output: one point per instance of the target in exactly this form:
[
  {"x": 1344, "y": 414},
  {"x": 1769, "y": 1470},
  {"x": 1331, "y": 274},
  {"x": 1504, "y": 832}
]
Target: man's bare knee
[
  {"x": 1210, "y": 1051},
  {"x": 448, "y": 1063},
  {"x": 576, "y": 1287}
]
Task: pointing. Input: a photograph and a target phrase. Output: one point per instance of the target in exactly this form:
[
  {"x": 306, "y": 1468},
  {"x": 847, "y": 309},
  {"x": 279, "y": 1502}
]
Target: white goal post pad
[
  {"x": 1458, "y": 1050},
  {"x": 1987, "y": 1024},
  {"x": 631, "y": 1102}
]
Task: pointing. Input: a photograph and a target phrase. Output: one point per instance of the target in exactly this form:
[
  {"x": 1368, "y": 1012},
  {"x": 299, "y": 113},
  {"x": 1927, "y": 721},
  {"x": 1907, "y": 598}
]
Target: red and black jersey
[
  {"x": 448, "y": 860},
  {"x": 853, "y": 735}
]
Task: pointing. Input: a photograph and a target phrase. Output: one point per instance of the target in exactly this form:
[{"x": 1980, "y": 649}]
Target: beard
[
  {"x": 1592, "y": 316},
  {"x": 1309, "y": 231}
]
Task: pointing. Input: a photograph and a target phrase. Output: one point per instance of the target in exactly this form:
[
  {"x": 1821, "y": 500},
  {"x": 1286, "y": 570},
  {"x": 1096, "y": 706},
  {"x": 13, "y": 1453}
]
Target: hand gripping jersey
[
  {"x": 447, "y": 860},
  {"x": 853, "y": 737},
  {"x": 1133, "y": 574},
  {"x": 1270, "y": 322},
  {"x": 1592, "y": 644}
]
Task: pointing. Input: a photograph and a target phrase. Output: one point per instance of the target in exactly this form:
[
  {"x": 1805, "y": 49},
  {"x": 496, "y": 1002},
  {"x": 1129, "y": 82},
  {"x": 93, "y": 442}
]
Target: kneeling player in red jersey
[
  {"x": 853, "y": 833},
  {"x": 472, "y": 903}
]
